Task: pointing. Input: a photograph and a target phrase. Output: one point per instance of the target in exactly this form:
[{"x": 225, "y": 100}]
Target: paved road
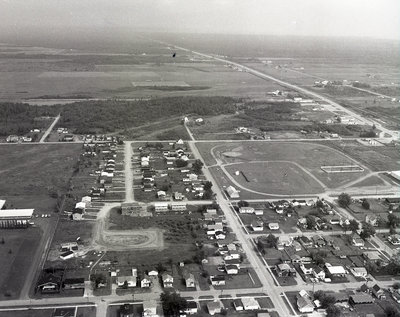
[{"x": 49, "y": 129}]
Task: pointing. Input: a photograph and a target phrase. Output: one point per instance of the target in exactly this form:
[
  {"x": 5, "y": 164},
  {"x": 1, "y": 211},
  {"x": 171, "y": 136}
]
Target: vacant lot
[{"x": 33, "y": 176}]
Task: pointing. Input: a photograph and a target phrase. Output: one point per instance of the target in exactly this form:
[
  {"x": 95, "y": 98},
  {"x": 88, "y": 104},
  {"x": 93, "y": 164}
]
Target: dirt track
[{"x": 120, "y": 240}]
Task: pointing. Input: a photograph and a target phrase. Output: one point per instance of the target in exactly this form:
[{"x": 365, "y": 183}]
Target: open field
[
  {"x": 274, "y": 177},
  {"x": 308, "y": 159},
  {"x": 32, "y": 176},
  {"x": 16, "y": 254}
]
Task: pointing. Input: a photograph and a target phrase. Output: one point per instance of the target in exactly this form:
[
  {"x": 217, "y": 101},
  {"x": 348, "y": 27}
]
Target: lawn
[{"x": 16, "y": 256}]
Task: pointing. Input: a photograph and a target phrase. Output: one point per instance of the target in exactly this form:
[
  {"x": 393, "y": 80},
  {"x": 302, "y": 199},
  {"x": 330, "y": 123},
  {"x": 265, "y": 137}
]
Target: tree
[
  {"x": 319, "y": 204},
  {"x": 97, "y": 279},
  {"x": 181, "y": 163},
  {"x": 172, "y": 303},
  {"x": 328, "y": 301},
  {"x": 391, "y": 311},
  {"x": 393, "y": 221},
  {"x": 311, "y": 222},
  {"x": 319, "y": 257},
  {"x": 367, "y": 231},
  {"x": 267, "y": 242},
  {"x": 344, "y": 200},
  {"x": 197, "y": 166},
  {"x": 243, "y": 203},
  {"x": 365, "y": 204},
  {"x": 354, "y": 225},
  {"x": 333, "y": 311},
  {"x": 207, "y": 185}
]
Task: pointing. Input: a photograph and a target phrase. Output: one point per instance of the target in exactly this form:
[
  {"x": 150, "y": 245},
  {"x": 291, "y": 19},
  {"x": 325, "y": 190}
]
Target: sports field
[{"x": 280, "y": 167}]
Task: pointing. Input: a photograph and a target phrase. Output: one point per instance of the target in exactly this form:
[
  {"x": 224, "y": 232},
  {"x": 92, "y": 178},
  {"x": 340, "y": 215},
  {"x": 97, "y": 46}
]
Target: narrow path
[{"x": 49, "y": 129}]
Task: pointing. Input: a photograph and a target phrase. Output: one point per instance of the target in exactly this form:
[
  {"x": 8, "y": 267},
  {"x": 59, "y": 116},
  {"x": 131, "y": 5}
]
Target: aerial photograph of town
[{"x": 194, "y": 158}]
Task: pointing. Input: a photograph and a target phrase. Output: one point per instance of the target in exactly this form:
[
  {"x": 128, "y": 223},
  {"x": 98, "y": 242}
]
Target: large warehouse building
[{"x": 15, "y": 218}]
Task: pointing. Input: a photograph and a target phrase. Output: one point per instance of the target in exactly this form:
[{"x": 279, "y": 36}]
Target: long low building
[{"x": 15, "y": 218}]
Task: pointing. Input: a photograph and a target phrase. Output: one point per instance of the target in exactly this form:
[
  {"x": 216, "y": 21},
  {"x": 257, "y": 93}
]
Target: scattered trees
[
  {"x": 354, "y": 225},
  {"x": 393, "y": 220},
  {"x": 243, "y": 203},
  {"x": 333, "y": 311},
  {"x": 181, "y": 163}
]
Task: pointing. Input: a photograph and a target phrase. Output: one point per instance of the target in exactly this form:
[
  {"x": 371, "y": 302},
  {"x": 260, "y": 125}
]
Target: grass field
[
  {"x": 15, "y": 259},
  {"x": 307, "y": 157},
  {"x": 274, "y": 177},
  {"x": 32, "y": 175}
]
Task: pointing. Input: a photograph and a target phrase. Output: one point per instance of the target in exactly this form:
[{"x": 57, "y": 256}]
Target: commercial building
[{"x": 15, "y": 218}]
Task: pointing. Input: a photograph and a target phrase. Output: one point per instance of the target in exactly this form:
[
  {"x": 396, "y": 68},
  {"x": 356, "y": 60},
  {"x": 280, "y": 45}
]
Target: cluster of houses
[
  {"x": 239, "y": 304},
  {"x": 53, "y": 281},
  {"x": 80, "y": 208},
  {"x": 365, "y": 295}
]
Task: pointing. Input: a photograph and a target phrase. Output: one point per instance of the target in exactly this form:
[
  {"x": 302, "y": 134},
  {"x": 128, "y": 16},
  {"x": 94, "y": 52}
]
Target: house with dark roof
[{"x": 378, "y": 292}]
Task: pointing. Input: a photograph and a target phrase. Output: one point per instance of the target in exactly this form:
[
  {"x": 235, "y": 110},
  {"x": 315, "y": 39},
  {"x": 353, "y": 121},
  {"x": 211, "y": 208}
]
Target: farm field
[
  {"x": 61, "y": 74},
  {"x": 307, "y": 157}
]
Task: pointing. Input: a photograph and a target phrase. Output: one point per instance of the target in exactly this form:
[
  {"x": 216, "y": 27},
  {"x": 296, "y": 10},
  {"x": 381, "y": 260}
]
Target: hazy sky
[{"x": 371, "y": 18}]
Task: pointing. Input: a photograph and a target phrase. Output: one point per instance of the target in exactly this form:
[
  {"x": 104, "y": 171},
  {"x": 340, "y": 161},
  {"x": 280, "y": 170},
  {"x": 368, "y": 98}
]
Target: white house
[
  {"x": 214, "y": 308},
  {"x": 257, "y": 225},
  {"x": 359, "y": 272},
  {"x": 232, "y": 192},
  {"x": 231, "y": 269},
  {"x": 168, "y": 280},
  {"x": 161, "y": 206},
  {"x": 246, "y": 210},
  {"x": 145, "y": 282},
  {"x": 150, "y": 308},
  {"x": 273, "y": 226}
]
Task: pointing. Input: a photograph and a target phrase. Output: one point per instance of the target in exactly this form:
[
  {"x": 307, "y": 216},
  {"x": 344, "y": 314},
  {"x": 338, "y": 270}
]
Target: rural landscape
[{"x": 188, "y": 174}]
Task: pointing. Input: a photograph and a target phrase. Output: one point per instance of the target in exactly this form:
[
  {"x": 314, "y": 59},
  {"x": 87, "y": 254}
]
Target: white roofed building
[{"x": 15, "y": 218}]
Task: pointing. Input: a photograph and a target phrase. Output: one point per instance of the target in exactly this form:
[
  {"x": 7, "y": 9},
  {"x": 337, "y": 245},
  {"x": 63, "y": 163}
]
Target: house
[
  {"x": 337, "y": 270},
  {"x": 168, "y": 280},
  {"x": 359, "y": 272},
  {"x": 296, "y": 245},
  {"x": 361, "y": 299},
  {"x": 217, "y": 280},
  {"x": 284, "y": 269},
  {"x": 178, "y": 196},
  {"x": 153, "y": 273},
  {"x": 237, "y": 303},
  {"x": 160, "y": 206},
  {"x": 258, "y": 212},
  {"x": 304, "y": 304},
  {"x": 394, "y": 239},
  {"x": 214, "y": 308},
  {"x": 210, "y": 214},
  {"x": 189, "y": 280},
  {"x": 232, "y": 255},
  {"x": 67, "y": 255},
  {"x": 74, "y": 283},
  {"x": 235, "y": 262},
  {"x": 126, "y": 310},
  {"x": 305, "y": 241},
  {"x": 273, "y": 226},
  {"x": 161, "y": 194},
  {"x": 307, "y": 268},
  {"x": 149, "y": 308},
  {"x": 231, "y": 269},
  {"x": 372, "y": 220},
  {"x": 232, "y": 192},
  {"x": 246, "y": 210},
  {"x": 357, "y": 241},
  {"x": 250, "y": 303},
  {"x": 378, "y": 292},
  {"x": 128, "y": 281},
  {"x": 178, "y": 206},
  {"x": 145, "y": 282},
  {"x": 285, "y": 241},
  {"x": 50, "y": 283},
  {"x": 257, "y": 225},
  {"x": 220, "y": 235},
  {"x": 191, "y": 308},
  {"x": 70, "y": 246},
  {"x": 318, "y": 272}
]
